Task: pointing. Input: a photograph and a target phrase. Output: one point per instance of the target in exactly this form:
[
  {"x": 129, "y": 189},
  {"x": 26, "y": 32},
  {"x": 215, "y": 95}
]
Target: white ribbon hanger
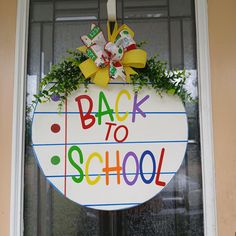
[
  {"x": 111, "y": 10},
  {"x": 111, "y": 13}
]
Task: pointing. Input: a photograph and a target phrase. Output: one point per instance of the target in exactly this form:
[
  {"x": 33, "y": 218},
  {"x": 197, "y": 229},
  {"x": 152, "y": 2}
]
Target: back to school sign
[{"x": 110, "y": 148}]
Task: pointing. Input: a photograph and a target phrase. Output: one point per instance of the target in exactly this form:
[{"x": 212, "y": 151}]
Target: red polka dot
[{"x": 55, "y": 128}]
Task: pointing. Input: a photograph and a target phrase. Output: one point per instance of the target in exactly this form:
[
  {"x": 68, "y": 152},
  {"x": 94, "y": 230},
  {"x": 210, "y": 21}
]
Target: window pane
[
  {"x": 180, "y": 7},
  {"x": 41, "y": 11},
  {"x": 168, "y": 28},
  {"x": 154, "y": 33}
]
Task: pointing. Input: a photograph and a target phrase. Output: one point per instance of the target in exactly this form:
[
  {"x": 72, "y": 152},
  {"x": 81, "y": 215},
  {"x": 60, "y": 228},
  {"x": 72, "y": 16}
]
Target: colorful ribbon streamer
[{"x": 111, "y": 59}]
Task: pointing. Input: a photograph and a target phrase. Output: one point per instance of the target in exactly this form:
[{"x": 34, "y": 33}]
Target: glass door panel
[{"x": 168, "y": 27}]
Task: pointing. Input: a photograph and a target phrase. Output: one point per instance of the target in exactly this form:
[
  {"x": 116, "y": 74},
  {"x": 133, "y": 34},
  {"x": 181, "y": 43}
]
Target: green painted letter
[
  {"x": 77, "y": 179},
  {"x": 108, "y": 111}
]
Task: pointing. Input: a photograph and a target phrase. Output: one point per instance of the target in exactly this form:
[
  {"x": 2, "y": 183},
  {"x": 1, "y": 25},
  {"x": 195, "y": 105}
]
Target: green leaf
[
  {"x": 171, "y": 91},
  {"x": 67, "y": 76}
]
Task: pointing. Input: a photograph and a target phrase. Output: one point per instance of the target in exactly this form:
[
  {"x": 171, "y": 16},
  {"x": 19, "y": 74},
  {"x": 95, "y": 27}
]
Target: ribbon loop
[{"x": 135, "y": 58}]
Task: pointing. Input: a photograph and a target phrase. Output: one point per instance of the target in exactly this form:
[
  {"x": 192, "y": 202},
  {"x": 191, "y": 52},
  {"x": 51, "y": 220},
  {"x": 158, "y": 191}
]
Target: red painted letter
[
  {"x": 87, "y": 116},
  {"x": 109, "y": 129},
  {"x": 158, "y": 182}
]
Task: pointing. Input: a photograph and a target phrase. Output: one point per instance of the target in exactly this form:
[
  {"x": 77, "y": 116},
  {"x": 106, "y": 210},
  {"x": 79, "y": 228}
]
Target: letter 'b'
[{"x": 87, "y": 116}]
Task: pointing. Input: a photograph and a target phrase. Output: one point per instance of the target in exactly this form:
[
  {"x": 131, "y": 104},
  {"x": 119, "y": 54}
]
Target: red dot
[{"x": 55, "y": 128}]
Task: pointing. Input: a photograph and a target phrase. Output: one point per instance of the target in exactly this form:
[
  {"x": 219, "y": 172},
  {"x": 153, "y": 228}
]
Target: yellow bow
[{"x": 101, "y": 75}]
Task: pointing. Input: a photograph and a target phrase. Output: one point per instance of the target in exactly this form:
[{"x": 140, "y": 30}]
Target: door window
[{"x": 168, "y": 28}]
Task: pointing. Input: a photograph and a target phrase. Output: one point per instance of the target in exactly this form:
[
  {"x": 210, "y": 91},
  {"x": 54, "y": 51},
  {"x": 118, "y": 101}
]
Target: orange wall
[
  {"x": 222, "y": 20},
  {"x": 7, "y": 44},
  {"x": 222, "y": 32}
]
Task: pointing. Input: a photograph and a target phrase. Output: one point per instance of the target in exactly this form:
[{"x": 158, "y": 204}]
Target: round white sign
[{"x": 111, "y": 148}]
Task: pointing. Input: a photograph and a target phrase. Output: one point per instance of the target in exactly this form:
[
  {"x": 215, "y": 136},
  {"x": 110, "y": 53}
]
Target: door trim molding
[
  {"x": 205, "y": 113},
  {"x": 18, "y": 125},
  {"x": 205, "y": 116}
]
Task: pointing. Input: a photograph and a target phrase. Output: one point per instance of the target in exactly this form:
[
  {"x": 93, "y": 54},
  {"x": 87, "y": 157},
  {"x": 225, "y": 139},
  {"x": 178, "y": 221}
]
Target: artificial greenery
[{"x": 66, "y": 77}]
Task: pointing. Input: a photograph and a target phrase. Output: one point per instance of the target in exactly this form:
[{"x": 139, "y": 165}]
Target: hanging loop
[{"x": 111, "y": 10}]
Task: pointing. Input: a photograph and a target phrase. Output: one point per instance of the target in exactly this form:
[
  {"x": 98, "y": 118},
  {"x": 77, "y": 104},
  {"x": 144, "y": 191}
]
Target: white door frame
[
  {"x": 205, "y": 111},
  {"x": 18, "y": 127}
]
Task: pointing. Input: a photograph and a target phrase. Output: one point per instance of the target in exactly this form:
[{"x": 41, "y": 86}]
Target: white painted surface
[{"x": 165, "y": 126}]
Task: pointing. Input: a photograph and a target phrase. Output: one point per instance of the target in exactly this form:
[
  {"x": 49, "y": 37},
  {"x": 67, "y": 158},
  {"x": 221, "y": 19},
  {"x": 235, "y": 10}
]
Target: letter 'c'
[
  {"x": 92, "y": 182},
  {"x": 121, "y": 118}
]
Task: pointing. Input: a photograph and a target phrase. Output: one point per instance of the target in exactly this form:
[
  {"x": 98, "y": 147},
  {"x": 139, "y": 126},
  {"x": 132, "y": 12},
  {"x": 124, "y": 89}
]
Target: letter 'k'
[{"x": 136, "y": 107}]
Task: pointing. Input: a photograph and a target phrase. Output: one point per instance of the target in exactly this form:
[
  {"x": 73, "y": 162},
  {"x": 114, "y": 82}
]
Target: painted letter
[
  {"x": 116, "y": 168},
  {"x": 128, "y": 154},
  {"x": 147, "y": 181},
  {"x": 75, "y": 165},
  {"x": 121, "y": 118},
  {"x": 92, "y": 182},
  {"x": 136, "y": 108},
  {"x": 108, "y": 111},
  {"x": 125, "y": 136},
  {"x": 88, "y": 116},
  {"x": 109, "y": 129},
  {"x": 158, "y": 182}
]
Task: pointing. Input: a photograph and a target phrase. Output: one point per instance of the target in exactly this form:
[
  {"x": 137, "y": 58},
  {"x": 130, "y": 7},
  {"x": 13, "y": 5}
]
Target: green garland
[{"x": 66, "y": 76}]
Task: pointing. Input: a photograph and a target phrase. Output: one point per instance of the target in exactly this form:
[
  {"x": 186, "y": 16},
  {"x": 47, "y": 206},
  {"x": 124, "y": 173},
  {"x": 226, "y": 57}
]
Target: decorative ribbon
[{"x": 111, "y": 59}]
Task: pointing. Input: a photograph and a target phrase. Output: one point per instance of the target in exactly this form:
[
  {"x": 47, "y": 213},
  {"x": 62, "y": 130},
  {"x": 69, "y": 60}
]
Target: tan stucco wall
[
  {"x": 222, "y": 32},
  {"x": 7, "y": 44},
  {"x": 222, "y": 20}
]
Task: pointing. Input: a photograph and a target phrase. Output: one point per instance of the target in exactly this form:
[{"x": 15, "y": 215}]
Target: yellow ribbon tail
[
  {"x": 129, "y": 71},
  {"x": 102, "y": 77},
  {"x": 111, "y": 35},
  {"x": 136, "y": 58},
  {"x": 82, "y": 49},
  {"x": 88, "y": 68}
]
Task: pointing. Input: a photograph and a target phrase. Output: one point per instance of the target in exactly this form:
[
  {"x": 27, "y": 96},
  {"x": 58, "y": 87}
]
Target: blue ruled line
[
  {"x": 111, "y": 83},
  {"x": 113, "y": 204},
  {"x": 110, "y": 174},
  {"x": 108, "y": 143},
  {"x": 121, "y": 112}
]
